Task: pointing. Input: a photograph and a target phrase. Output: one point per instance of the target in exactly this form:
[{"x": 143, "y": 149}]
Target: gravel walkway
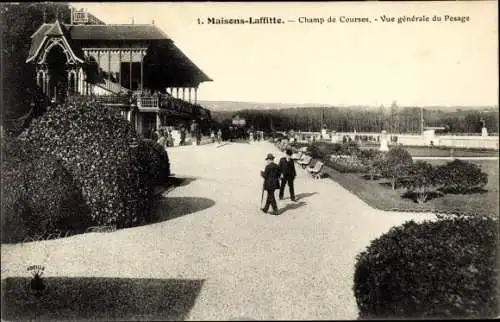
[{"x": 298, "y": 265}]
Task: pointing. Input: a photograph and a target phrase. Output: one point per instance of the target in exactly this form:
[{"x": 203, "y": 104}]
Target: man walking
[
  {"x": 287, "y": 169},
  {"x": 271, "y": 175}
]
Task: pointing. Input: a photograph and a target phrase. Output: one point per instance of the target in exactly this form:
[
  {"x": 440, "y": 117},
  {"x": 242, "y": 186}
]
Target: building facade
[{"x": 136, "y": 68}]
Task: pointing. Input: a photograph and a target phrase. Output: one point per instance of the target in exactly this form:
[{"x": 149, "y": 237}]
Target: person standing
[
  {"x": 271, "y": 175},
  {"x": 287, "y": 169},
  {"x": 219, "y": 136},
  {"x": 161, "y": 139}
]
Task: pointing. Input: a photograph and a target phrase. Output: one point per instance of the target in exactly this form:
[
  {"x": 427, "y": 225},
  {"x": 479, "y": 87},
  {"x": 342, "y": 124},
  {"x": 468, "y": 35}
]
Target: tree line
[{"x": 393, "y": 119}]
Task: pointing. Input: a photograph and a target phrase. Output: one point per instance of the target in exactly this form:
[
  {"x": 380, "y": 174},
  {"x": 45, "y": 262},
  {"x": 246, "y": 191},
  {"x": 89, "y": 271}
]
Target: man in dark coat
[
  {"x": 287, "y": 169},
  {"x": 271, "y": 175}
]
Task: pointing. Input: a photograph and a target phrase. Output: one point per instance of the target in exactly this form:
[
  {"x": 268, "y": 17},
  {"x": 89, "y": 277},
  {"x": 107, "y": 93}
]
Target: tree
[
  {"x": 19, "y": 22},
  {"x": 396, "y": 164},
  {"x": 422, "y": 181},
  {"x": 372, "y": 159}
]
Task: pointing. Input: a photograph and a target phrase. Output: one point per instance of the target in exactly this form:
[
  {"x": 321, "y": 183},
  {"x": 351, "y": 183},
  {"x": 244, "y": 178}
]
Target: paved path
[{"x": 298, "y": 265}]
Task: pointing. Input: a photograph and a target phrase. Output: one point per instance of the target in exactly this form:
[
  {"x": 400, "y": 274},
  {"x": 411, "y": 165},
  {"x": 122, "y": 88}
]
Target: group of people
[
  {"x": 277, "y": 176},
  {"x": 216, "y": 136},
  {"x": 164, "y": 137}
]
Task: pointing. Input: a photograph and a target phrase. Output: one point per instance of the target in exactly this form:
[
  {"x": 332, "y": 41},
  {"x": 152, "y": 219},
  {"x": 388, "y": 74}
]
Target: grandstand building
[{"x": 136, "y": 68}]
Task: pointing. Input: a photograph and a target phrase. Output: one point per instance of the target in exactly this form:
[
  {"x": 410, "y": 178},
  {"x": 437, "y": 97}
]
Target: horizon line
[{"x": 350, "y": 104}]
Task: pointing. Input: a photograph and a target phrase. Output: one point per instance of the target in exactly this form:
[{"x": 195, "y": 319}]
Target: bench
[
  {"x": 316, "y": 170},
  {"x": 304, "y": 161}
]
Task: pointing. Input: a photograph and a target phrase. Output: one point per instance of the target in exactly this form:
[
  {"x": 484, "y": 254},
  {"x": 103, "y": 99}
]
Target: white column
[
  {"x": 190, "y": 95},
  {"x": 130, "y": 70},
  {"x": 75, "y": 83},
  {"x": 158, "y": 121},
  {"x": 42, "y": 76},
  {"x": 120, "y": 67},
  {"x": 142, "y": 70}
]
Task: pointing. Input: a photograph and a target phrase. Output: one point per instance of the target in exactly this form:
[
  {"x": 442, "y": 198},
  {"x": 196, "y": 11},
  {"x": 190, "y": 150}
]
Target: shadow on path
[
  {"x": 223, "y": 144},
  {"x": 100, "y": 298},
  {"x": 304, "y": 195},
  {"x": 290, "y": 207},
  {"x": 168, "y": 208},
  {"x": 174, "y": 181}
]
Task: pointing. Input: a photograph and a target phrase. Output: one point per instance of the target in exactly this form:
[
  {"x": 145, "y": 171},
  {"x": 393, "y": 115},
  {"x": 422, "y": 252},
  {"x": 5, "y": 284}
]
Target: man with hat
[
  {"x": 287, "y": 169},
  {"x": 271, "y": 175}
]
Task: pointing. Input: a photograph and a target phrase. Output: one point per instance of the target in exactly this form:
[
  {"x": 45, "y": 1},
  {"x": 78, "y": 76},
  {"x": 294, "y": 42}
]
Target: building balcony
[{"x": 155, "y": 103}]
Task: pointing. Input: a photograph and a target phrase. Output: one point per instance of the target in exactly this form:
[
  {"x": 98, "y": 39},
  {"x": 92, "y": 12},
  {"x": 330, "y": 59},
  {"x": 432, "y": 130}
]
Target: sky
[{"x": 414, "y": 64}]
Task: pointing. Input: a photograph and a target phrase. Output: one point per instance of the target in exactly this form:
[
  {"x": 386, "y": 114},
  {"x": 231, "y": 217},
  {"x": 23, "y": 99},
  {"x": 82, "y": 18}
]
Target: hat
[
  {"x": 270, "y": 157},
  {"x": 289, "y": 152}
]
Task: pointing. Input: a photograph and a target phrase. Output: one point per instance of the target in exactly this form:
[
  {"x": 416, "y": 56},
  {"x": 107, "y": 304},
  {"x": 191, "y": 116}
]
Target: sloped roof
[
  {"x": 55, "y": 30},
  {"x": 94, "y": 32},
  {"x": 116, "y": 32}
]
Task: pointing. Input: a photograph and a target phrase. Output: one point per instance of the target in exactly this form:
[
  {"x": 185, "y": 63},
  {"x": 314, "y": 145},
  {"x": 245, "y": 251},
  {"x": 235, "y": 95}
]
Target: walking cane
[{"x": 262, "y": 197}]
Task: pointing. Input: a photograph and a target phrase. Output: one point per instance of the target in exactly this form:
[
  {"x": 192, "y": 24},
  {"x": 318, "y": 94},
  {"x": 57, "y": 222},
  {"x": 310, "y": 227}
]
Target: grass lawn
[{"x": 378, "y": 193}]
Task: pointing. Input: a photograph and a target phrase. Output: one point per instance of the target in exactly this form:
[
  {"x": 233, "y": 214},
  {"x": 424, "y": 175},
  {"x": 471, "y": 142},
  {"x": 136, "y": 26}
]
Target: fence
[{"x": 472, "y": 141}]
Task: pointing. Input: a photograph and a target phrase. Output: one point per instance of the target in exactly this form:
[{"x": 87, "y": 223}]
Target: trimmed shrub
[
  {"x": 39, "y": 196},
  {"x": 460, "y": 176},
  {"x": 158, "y": 167},
  {"x": 396, "y": 164},
  {"x": 422, "y": 181},
  {"x": 99, "y": 149},
  {"x": 443, "y": 269}
]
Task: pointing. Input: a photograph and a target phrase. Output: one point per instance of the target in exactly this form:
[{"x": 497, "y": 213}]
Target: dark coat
[
  {"x": 287, "y": 168},
  {"x": 271, "y": 175}
]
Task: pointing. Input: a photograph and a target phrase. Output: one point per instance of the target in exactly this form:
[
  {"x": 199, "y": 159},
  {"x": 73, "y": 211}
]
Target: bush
[
  {"x": 322, "y": 150},
  {"x": 460, "y": 176},
  {"x": 349, "y": 148},
  {"x": 99, "y": 149},
  {"x": 39, "y": 197},
  {"x": 443, "y": 269},
  {"x": 158, "y": 167},
  {"x": 372, "y": 160},
  {"x": 396, "y": 164},
  {"x": 422, "y": 181}
]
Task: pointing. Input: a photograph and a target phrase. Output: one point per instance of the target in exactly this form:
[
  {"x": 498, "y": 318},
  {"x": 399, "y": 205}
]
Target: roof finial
[
  {"x": 153, "y": 21},
  {"x": 57, "y": 13},
  {"x": 44, "y": 15},
  {"x": 132, "y": 20}
]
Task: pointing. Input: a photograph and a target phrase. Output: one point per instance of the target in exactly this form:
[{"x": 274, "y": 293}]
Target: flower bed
[{"x": 346, "y": 163}]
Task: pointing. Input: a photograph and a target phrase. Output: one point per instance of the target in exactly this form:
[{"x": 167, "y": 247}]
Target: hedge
[
  {"x": 39, "y": 197},
  {"x": 100, "y": 150},
  {"x": 158, "y": 164},
  {"x": 443, "y": 269}
]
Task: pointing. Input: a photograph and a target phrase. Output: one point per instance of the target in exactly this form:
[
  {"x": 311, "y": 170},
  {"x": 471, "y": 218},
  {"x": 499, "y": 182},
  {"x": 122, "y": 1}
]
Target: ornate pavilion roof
[{"x": 79, "y": 35}]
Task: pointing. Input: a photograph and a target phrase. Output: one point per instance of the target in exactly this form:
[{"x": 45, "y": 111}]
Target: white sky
[{"x": 368, "y": 64}]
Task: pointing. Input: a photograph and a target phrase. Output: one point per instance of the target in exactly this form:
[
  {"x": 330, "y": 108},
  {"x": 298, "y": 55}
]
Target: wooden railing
[
  {"x": 155, "y": 102},
  {"x": 148, "y": 102}
]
